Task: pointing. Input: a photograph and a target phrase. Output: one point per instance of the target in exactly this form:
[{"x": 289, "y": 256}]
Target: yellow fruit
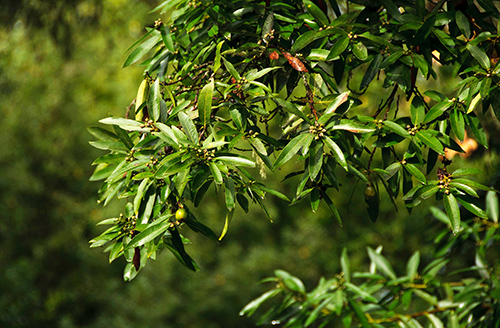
[
  {"x": 370, "y": 192},
  {"x": 181, "y": 214}
]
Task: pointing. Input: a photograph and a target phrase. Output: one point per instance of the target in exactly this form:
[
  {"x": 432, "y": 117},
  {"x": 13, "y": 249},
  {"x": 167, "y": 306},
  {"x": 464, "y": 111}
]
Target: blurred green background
[{"x": 60, "y": 72}]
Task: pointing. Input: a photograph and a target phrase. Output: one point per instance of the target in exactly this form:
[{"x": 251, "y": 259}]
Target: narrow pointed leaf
[
  {"x": 453, "y": 211},
  {"x": 149, "y": 234},
  {"x": 290, "y": 150},
  {"x": 371, "y": 72},
  {"x": 337, "y": 152},
  {"x": 205, "y": 103},
  {"x": 189, "y": 127}
]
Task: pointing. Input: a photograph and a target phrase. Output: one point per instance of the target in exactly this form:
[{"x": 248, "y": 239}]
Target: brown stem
[{"x": 388, "y": 103}]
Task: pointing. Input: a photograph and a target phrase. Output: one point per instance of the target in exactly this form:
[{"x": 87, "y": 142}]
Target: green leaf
[
  {"x": 392, "y": 9},
  {"x": 436, "y": 322},
  {"x": 315, "y": 159},
  {"x": 124, "y": 137},
  {"x": 167, "y": 38},
  {"x": 339, "y": 100},
  {"x": 436, "y": 111},
  {"x": 446, "y": 41},
  {"x": 382, "y": 263},
  {"x": 317, "y": 311},
  {"x": 492, "y": 205},
  {"x": 268, "y": 25},
  {"x": 429, "y": 140},
  {"x": 371, "y": 72},
  {"x": 339, "y": 47},
  {"x": 422, "y": 193},
  {"x": 332, "y": 207},
  {"x": 360, "y": 314},
  {"x": 303, "y": 40},
  {"x": 290, "y": 150},
  {"x": 360, "y": 292},
  {"x": 205, "y": 103},
  {"x": 234, "y": 73},
  {"x": 102, "y": 134},
  {"x": 102, "y": 171},
  {"x": 236, "y": 160},
  {"x": 337, "y": 152},
  {"x": 197, "y": 226},
  {"x": 218, "y": 56},
  {"x": 291, "y": 108},
  {"x": 229, "y": 192},
  {"x": 142, "y": 49},
  {"x": 252, "y": 75},
  {"x": 396, "y": 128},
  {"x": 189, "y": 128},
  {"x": 479, "y": 55},
  {"x": 458, "y": 124},
  {"x": 359, "y": 50},
  {"x": 431, "y": 299},
  {"x": 317, "y": 13},
  {"x": 126, "y": 124},
  {"x": 150, "y": 233},
  {"x": 463, "y": 23},
  {"x": 451, "y": 207},
  {"x": 115, "y": 251},
  {"x": 154, "y": 101},
  {"x": 466, "y": 171},
  {"x": 271, "y": 191},
  {"x": 176, "y": 246},
  {"x": 414, "y": 171},
  {"x": 475, "y": 125},
  {"x": 227, "y": 222},
  {"x": 425, "y": 30},
  {"x": 350, "y": 126},
  {"x": 417, "y": 110},
  {"x": 420, "y": 62},
  {"x": 345, "y": 265},
  {"x": 141, "y": 190},
  {"x": 182, "y": 177},
  {"x": 357, "y": 173},
  {"x": 251, "y": 307},
  {"x": 469, "y": 204},
  {"x": 473, "y": 104},
  {"x": 291, "y": 282},
  {"x": 412, "y": 265},
  {"x": 215, "y": 173}
]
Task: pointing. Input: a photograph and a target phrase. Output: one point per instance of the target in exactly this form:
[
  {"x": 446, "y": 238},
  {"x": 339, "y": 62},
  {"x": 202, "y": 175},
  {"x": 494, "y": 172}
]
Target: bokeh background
[{"x": 60, "y": 72}]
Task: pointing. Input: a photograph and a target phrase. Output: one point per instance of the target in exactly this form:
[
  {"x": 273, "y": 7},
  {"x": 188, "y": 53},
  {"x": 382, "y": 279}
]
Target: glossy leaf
[
  {"x": 382, "y": 264},
  {"x": 417, "y": 110},
  {"x": 142, "y": 49},
  {"x": 371, "y": 72},
  {"x": 290, "y": 150},
  {"x": 479, "y": 55},
  {"x": 430, "y": 141},
  {"x": 339, "y": 47},
  {"x": 205, "y": 103},
  {"x": 451, "y": 207},
  {"x": 189, "y": 128},
  {"x": 150, "y": 233},
  {"x": 337, "y": 152}
]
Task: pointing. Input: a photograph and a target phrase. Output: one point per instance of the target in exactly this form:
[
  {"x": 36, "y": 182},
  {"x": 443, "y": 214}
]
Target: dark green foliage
[
  {"x": 423, "y": 296},
  {"x": 212, "y": 92}
]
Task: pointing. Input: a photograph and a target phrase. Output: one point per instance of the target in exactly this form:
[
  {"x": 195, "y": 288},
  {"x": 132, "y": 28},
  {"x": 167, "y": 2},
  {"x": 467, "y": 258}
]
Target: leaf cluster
[{"x": 236, "y": 88}]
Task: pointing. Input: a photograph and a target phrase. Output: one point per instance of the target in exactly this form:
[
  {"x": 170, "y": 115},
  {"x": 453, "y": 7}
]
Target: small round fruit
[
  {"x": 370, "y": 192},
  {"x": 181, "y": 214}
]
